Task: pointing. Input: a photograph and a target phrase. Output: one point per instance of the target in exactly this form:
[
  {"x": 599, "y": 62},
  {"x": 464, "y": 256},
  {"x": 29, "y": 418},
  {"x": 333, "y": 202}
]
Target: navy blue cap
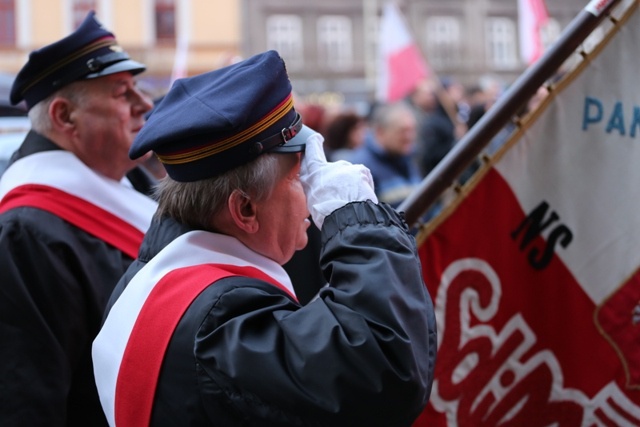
[
  {"x": 90, "y": 51},
  {"x": 211, "y": 123}
]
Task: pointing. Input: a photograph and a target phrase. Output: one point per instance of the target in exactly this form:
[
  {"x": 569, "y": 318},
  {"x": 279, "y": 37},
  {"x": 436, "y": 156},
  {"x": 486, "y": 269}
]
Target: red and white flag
[
  {"x": 535, "y": 274},
  {"x": 401, "y": 65},
  {"x": 532, "y": 17}
]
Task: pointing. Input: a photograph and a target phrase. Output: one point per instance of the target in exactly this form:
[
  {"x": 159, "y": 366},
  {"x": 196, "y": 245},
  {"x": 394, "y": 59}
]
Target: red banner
[{"x": 534, "y": 274}]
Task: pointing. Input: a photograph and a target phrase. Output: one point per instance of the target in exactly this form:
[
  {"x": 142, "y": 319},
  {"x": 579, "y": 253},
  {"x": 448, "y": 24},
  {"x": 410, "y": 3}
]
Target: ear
[
  {"x": 243, "y": 212},
  {"x": 61, "y": 112}
]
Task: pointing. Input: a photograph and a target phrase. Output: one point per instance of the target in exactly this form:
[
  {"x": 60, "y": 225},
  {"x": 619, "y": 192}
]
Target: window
[
  {"x": 80, "y": 10},
  {"x": 335, "y": 47},
  {"x": 165, "y": 20},
  {"x": 501, "y": 48},
  {"x": 7, "y": 23},
  {"x": 284, "y": 34},
  {"x": 443, "y": 41}
]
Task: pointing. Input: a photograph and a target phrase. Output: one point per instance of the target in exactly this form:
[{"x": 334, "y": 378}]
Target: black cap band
[{"x": 279, "y": 140}]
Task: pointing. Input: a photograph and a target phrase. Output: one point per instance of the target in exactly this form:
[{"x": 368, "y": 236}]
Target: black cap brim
[
  {"x": 127, "y": 65},
  {"x": 296, "y": 144}
]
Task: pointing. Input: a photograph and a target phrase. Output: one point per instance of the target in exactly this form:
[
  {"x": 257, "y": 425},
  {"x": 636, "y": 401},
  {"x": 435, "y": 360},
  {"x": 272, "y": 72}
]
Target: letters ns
[{"x": 533, "y": 225}]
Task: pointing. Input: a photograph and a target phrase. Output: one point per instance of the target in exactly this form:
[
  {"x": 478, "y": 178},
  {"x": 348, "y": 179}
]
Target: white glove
[{"x": 331, "y": 185}]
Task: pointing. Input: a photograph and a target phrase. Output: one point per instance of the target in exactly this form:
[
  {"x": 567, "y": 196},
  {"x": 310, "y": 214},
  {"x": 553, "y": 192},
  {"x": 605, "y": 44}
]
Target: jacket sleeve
[{"x": 361, "y": 353}]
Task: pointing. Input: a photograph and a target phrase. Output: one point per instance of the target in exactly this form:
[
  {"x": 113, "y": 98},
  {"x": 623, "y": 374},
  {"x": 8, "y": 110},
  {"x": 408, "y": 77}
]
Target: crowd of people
[
  {"x": 403, "y": 141},
  {"x": 135, "y": 296}
]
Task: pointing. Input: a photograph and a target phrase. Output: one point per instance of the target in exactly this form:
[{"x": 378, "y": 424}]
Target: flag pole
[{"x": 465, "y": 151}]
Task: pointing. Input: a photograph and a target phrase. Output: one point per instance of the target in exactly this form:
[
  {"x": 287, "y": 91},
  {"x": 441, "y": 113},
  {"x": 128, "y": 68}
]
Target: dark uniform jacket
[
  {"x": 55, "y": 281},
  {"x": 362, "y": 353}
]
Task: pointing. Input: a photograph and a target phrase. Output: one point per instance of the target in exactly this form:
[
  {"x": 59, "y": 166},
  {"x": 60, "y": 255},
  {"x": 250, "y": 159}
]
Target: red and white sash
[
  {"x": 128, "y": 323},
  {"x": 57, "y": 181}
]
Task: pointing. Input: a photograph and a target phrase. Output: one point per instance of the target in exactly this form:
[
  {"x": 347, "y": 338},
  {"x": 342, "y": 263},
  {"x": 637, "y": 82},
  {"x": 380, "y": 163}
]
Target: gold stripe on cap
[
  {"x": 98, "y": 44},
  {"x": 200, "y": 153}
]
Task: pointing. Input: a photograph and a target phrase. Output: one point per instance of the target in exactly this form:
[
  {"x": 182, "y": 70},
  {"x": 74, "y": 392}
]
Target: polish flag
[
  {"x": 401, "y": 66},
  {"x": 532, "y": 16}
]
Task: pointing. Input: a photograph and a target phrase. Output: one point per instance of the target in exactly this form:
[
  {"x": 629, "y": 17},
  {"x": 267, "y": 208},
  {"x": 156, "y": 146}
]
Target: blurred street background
[{"x": 330, "y": 46}]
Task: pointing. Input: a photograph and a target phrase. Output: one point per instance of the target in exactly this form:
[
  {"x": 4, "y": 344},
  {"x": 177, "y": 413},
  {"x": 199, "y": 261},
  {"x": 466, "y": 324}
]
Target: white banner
[{"x": 535, "y": 274}]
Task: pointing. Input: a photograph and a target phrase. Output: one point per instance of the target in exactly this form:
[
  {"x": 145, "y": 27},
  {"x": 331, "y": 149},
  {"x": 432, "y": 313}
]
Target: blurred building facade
[
  {"x": 181, "y": 37},
  {"x": 329, "y": 45}
]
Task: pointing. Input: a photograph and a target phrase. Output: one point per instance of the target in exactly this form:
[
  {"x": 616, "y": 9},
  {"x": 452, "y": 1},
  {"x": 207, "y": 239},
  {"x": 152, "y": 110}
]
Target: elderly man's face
[
  {"x": 107, "y": 119},
  {"x": 283, "y": 217},
  {"x": 399, "y": 136}
]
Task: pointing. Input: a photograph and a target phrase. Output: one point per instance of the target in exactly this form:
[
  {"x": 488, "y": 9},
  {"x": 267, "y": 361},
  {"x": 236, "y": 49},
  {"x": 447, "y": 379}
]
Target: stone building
[
  {"x": 329, "y": 45},
  {"x": 151, "y": 31}
]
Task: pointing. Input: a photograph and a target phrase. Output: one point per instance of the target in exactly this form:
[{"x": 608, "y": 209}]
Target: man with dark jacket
[
  {"x": 388, "y": 153},
  {"x": 205, "y": 328},
  {"x": 70, "y": 224}
]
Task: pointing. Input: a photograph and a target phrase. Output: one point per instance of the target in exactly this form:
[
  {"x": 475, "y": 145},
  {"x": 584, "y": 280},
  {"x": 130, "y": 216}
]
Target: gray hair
[
  {"x": 39, "y": 113},
  {"x": 386, "y": 114},
  {"x": 196, "y": 203}
]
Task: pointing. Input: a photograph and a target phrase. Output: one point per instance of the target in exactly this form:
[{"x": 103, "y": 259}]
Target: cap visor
[
  {"x": 126, "y": 65},
  {"x": 296, "y": 144}
]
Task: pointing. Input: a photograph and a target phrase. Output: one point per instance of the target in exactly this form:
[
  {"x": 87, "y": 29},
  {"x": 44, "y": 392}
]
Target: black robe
[
  {"x": 245, "y": 353},
  {"x": 55, "y": 281}
]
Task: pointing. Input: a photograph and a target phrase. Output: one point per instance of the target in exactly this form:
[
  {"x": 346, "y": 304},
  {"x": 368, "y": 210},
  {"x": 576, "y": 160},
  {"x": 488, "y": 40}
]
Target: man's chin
[{"x": 302, "y": 245}]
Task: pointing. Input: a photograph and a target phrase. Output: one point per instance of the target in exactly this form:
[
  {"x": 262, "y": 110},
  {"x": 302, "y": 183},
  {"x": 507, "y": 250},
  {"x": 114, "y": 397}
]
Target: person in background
[
  {"x": 388, "y": 152},
  {"x": 313, "y": 114},
  {"x": 71, "y": 222},
  {"x": 343, "y": 133},
  {"x": 436, "y": 135},
  {"x": 455, "y": 94},
  {"x": 205, "y": 327}
]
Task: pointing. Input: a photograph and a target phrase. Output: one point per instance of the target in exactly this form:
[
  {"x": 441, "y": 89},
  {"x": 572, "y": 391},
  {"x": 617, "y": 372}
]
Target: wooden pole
[{"x": 471, "y": 144}]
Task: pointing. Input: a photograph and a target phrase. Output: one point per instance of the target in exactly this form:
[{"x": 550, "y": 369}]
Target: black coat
[
  {"x": 55, "y": 281},
  {"x": 361, "y": 353},
  {"x": 436, "y": 136}
]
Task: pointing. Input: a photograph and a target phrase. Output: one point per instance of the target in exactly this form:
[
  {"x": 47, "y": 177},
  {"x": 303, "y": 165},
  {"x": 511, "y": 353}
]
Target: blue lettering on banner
[
  {"x": 612, "y": 117},
  {"x": 592, "y": 112},
  {"x": 636, "y": 121},
  {"x": 617, "y": 119}
]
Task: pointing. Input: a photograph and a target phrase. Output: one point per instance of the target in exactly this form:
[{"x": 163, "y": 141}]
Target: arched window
[
  {"x": 7, "y": 22},
  {"x": 501, "y": 43},
  {"x": 335, "y": 42},
  {"x": 284, "y": 34},
  {"x": 444, "y": 37},
  {"x": 165, "y": 15}
]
